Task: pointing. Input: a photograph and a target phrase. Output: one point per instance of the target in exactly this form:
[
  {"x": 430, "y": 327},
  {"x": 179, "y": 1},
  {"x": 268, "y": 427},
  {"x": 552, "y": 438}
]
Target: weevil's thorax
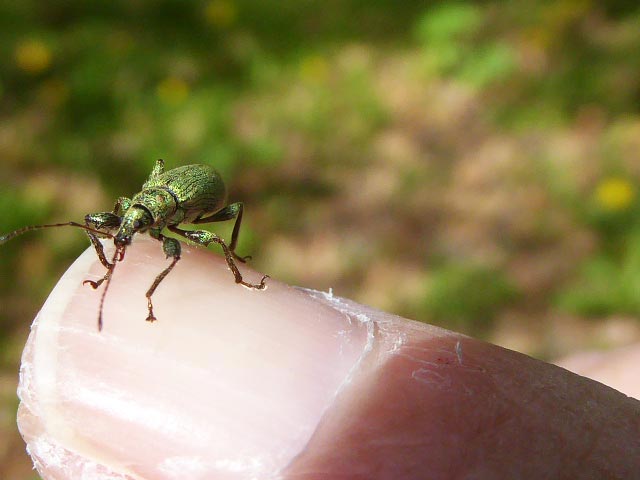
[{"x": 161, "y": 204}]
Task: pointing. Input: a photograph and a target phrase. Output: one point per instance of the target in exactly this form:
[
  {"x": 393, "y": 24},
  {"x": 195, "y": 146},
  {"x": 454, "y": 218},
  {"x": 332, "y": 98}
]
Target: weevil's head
[{"x": 135, "y": 219}]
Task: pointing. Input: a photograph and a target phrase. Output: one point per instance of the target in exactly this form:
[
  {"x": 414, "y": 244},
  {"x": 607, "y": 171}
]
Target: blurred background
[{"x": 469, "y": 164}]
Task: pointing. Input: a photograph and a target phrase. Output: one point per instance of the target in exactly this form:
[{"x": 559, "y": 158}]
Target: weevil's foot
[
  {"x": 256, "y": 286},
  {"x": 93, "y": 284},
  {"x": 151, "y": 317}
]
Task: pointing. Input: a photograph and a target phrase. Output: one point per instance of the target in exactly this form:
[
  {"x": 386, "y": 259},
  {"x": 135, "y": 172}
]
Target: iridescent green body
[
  {"x": 183, "y": 195},
  {"x": 193, "y": 194}
]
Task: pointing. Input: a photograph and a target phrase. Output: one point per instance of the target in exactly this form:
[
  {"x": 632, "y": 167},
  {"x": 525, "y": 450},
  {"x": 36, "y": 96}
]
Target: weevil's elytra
[{"x": 192, "y": 194}]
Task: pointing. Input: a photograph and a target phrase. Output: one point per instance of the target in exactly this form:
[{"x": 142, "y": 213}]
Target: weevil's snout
[
  {"x": 122, "y": 240},
  {"x": 136, "y": 219},
  {"x": 121, "y": 243}
]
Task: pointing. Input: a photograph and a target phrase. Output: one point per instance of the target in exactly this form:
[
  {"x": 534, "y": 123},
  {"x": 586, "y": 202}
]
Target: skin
[{"x": 232, "y": 383}]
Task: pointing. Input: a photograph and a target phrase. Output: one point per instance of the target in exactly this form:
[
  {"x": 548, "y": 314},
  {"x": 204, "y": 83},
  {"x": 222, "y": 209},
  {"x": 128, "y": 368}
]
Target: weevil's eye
[{"x": 137, "y": 224}]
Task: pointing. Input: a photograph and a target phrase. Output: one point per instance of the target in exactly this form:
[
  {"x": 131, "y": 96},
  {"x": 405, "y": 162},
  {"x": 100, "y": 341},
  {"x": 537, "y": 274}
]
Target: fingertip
[
  {"x": 238, "y": 383},
  {"x": 228, "y": 383}
]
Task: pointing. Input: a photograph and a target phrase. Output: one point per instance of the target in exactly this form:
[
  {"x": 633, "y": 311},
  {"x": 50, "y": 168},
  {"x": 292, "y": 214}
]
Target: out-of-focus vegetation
[{"x": 470, "y": 164}]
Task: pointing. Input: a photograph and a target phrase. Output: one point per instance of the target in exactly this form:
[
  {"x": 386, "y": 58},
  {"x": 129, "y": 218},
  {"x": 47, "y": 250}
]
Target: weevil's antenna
[
  {"x": 20, "y": 231},
  {"x": 118, "y": 255}
]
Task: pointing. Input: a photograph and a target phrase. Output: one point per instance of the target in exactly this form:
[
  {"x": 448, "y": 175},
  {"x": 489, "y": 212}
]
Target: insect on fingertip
[{"x": 191, "y": 194}]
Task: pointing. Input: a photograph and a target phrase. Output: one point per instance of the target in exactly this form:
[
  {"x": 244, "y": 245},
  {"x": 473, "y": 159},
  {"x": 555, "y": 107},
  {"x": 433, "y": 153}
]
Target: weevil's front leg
[
  {"x": 171, "y": 248},
  {"x": 202, "y": 237},
  {"x": 104, "y": 262},
  {"x": 108, "y": 222},
  {"x": 230, "y": 211},
  {"x": 97, "y": 245}
]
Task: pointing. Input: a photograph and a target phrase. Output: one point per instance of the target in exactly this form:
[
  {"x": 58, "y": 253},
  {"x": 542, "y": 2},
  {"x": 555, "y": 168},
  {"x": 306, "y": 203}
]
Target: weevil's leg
[
  {"x": 106, "y": 221},
  {"x": 103, "y": 259},
  {"x": 171, "y": 248},
  {"x": 97, "y": 245},
  {"x": 158, "y": 169},
  {"x": 230, "y": 211},
  {"x": 205, "y": 238},
  {"x": 95, "y": 285}
]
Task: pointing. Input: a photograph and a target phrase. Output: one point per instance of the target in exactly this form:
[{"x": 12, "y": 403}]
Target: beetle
[{"x": 191, "y": 194}]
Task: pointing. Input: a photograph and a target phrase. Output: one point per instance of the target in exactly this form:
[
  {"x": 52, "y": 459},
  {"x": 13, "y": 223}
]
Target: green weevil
[{"x": 192, "y": 194}]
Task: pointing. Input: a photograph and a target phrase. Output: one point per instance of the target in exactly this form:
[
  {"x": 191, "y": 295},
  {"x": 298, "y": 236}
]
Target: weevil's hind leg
[
  {"x": 230, "y": 211},
  {"x": 158, "y": 168},
  {"x": 171, "y": 248},
  {"x": 202, "y": 237}
]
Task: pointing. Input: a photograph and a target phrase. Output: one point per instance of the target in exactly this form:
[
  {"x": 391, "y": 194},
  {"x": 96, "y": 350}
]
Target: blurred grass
[{"x": 471, "y": 164}]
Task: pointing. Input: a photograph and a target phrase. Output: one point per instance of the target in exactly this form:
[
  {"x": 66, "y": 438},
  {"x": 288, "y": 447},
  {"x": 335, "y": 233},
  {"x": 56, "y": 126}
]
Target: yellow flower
[
  {"x": 172, "y": 90},
  {"x": 220, "y": 13},
  {"x": 33, "y": 56},
  {"x": 615, "y": 194}
]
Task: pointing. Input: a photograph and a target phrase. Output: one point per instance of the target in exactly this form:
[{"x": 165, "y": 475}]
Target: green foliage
[
  {"x": 453, "y": 45},
  {"x": 467, "y": 296},
  {"x": 489, "y": 63},
  {"x": 607, "y": 284},
  {"x": 448, "y": 22},
  {"x": 19, "y": 208}
]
